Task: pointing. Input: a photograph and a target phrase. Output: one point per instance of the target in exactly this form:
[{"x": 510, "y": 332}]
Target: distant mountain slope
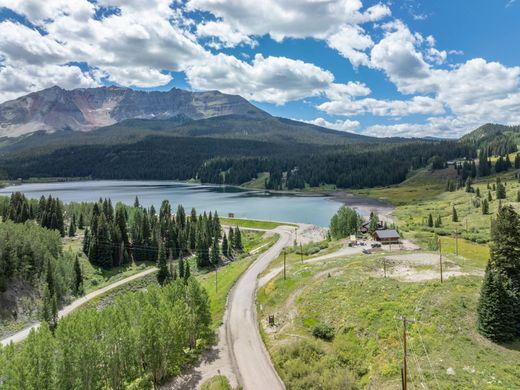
[
  {"x": 85, "y": 109},
  {"x": 497, "y": 139},
  {"x": 490, "y": 130},
  {"x": 236, "y": 127}
]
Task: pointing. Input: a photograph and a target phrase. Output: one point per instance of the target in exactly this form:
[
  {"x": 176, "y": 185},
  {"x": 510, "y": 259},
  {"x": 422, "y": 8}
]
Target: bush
[{"x": 324, "y": 332}]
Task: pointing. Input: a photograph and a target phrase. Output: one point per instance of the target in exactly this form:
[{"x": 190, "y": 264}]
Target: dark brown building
[{"x": 389, "y": 236}]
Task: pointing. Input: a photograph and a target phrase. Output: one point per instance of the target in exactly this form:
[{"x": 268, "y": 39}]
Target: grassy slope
[
  {"x": 367, "y": 350},
  {"x": 361, "y": 306},
  {"x": 251, "y": 223}
]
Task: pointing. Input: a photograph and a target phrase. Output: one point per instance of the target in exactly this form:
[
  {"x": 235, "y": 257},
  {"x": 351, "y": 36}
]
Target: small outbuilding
[{"x": 388, "y": 236}]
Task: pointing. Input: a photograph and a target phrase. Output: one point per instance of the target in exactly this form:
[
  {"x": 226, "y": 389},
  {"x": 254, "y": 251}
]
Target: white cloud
[
  {"x": 417, "y": 105},
  {"x": 289, "y": 18},
  {"x": 341, "y": 125},
  {"x": 14, "y": 83},
  {"x": 351, "y": 41},
  {"x": 267, "y": 79},
  {"x": 224, "y": 34},
  {"x": 342, "y": 91}
]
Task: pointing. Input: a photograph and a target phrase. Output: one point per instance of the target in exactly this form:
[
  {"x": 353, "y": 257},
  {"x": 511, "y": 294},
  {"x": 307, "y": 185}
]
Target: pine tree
[
  {"x": 430, "y": 220},
  {"x": 237, "y": 245},
  {"x": 469, "y": 188},
  {"x": 81, "y": 222},
  {"x": 78, "y": 278},
  {"x": 477, "y": 192},
  {"x": 518, "y": 196},
  {"x": 231, "y": 241},
  {"x": 454, "y": 216},
  {"x": 499, "y": 306},
  {"x": 187, "y": 271},
  {"x": 501, "y": 190},
  {"x": 485, "y": 207},
  {"x": 136, "y": 202},
  {"x": 490, "y": 197},
  {"x": 215, "y": 256},
  {"x": 181, "y": 267},
  {"x": 225, "y": 249},
  {"x": 163, "y": 275},
  {"x": 438, "y": 221},
  {"x": 495, "y": 310},
  {"x": 72, "y": 226}
]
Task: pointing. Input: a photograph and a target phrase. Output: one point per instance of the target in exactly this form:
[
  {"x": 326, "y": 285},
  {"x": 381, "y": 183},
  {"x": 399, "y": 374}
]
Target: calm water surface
[{"x": 316, "y": 210}]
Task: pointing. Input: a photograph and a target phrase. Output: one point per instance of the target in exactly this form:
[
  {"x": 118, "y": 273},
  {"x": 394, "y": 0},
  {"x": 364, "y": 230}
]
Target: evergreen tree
[
  {"x": 485, "y": 207},
  {"x": 490, "y": 197},
  {"x": 438, "y": 221},
  {"x": 454, "y": 216},
  {"x": 136, "y": 202},
  {"x": 187, "y": 271},
  {"x": 225, "y": 249},
  {"x": 499, "y": 306},
  {"x": 495, "y": 311},
  {"x": 469, "y": 188},
  {"x": 181, "y": 267},
  {"x": 430, "y": 220},
  {"x": 477, "y": 192},
  {"x": 374, "y": 223},
  {"x": 72, "y": 226},
  {"x": 231, "y": 241},
  {"x": 78, "y": 278},
  {"x": 163, "y": 275},
  {"x": 518, "y": 196},
  {"x": 81, "y": 222},
  {"x": 237, "y": 240},
  {"x": 501, "y": 189},
  {"x": 215, "y": 255}
]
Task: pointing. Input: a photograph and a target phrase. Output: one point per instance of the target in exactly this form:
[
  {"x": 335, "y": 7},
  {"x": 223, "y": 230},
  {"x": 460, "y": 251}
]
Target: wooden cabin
[{"x": 388, "y": 236}]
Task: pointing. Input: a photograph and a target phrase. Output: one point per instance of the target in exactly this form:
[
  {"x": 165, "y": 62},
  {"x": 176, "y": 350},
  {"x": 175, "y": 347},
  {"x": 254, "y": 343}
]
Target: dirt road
[
  {"x": 75, "y": 304},
  {"x": 249, "y": 357}
]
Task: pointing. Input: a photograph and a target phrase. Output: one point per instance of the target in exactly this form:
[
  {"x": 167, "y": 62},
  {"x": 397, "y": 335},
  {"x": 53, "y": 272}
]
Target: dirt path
[
  {"x": 240, "y": 354},
  {"x": 19, "y": 336}
]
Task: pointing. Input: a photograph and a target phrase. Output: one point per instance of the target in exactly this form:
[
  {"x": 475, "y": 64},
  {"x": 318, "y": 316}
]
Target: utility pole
[
  {"x": 301, "y": 251},
  {"x": 440, "y": 256},
  {"x": 404, "y": 370},
  {"x": 384, "y": 266},
  {"x": 284, "y": 266}
]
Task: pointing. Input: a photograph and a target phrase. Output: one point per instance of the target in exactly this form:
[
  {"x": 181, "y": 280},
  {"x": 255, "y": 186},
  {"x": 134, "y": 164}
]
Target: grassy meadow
[{"x": 337, "y": 327}]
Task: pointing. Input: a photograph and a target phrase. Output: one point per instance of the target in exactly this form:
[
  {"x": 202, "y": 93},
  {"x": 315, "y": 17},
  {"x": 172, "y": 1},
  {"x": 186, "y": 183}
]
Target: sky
[{"x": 411, "y": 68}]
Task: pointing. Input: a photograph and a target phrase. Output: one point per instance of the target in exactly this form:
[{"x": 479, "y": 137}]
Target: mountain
[
  {"x": 495, "y": 138},
  {"x": 85, "y": 109}
]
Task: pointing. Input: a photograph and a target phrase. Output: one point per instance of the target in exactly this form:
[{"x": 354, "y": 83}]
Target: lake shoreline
[{"x": 363, "y": 204}]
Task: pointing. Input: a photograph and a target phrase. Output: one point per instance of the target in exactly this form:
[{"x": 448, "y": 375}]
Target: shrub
[{"x": 323, "y": 331}]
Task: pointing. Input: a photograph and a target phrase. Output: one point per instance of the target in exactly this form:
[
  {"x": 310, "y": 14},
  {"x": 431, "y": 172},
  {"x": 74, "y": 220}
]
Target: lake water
[{"x": 316, "y": 210}]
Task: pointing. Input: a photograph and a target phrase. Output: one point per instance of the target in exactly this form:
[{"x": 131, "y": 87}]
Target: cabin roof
[{"x": 389, "y": 233}]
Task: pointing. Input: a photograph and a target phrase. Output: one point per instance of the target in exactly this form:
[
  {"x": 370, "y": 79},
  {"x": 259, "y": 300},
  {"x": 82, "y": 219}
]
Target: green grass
[
  {"x": 421, "y": 185},
  {"x": 95, "y": 278},
  {"x": 252, "y": 223},
  {"x": 226, "y": 278},
  {"x": 258, "y": 183},
  {"x": 366, "y": 351},
  {"x": 218, "y": 382}
]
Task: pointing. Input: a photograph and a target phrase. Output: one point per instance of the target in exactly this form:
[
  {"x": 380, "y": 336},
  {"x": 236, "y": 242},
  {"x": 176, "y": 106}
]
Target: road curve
[
  {"x": 19, "y": 336},
  {"x": 249, "y": 356}
]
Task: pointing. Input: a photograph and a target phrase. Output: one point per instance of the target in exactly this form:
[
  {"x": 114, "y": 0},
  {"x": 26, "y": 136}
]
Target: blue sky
[{"x": 385, "y": 68}]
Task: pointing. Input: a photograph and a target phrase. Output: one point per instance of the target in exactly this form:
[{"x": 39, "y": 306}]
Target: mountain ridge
[{"x": 85, "y": 109}]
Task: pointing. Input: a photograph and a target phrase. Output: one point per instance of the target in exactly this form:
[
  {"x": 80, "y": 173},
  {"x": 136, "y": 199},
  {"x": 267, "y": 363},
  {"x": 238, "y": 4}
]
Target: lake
[{"x": 243, "y": 203}]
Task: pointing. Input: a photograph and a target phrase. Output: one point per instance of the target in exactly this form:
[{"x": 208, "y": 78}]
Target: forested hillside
[
  {"x": 234, "y": 161},
  {"x": 494, "y": 138}
]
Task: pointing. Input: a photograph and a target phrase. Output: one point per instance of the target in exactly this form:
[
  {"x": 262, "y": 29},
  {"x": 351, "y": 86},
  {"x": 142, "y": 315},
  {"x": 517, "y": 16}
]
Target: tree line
[
  {"x": 116, "y": 236},
  {"x": 233, "y": 161},
  {"x": 137, "y": 342}
]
